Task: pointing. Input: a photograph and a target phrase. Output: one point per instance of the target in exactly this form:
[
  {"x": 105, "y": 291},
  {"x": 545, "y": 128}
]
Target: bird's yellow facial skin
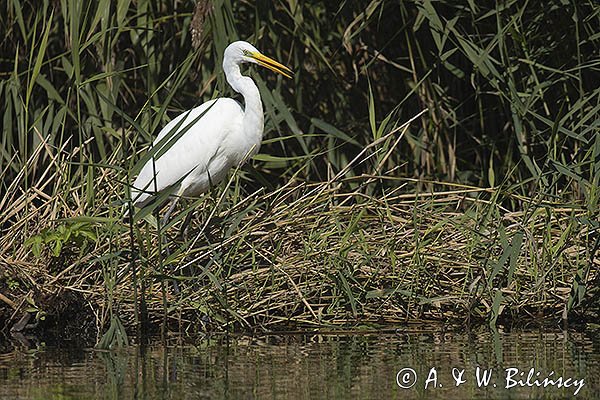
[{"x": 271, "y": 64}]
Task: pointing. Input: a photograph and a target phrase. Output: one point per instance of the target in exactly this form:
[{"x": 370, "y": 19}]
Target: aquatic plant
[{"x": 484, "y": 208}]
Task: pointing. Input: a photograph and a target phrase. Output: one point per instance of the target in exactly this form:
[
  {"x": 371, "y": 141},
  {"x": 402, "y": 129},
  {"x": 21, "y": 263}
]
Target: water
[{"x": 353, "y": 366}]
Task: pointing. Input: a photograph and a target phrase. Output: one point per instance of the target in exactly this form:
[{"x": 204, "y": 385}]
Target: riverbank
[
  {"x": 428, "y": 161},
  {"x": 337, "y": 254}
]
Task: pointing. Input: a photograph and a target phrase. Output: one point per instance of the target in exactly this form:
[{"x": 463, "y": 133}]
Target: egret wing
[{"x": 200, "y": 140}]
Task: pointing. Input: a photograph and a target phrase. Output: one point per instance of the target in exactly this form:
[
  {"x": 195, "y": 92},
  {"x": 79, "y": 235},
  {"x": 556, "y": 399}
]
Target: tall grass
[{"x": 485, "y": 207}]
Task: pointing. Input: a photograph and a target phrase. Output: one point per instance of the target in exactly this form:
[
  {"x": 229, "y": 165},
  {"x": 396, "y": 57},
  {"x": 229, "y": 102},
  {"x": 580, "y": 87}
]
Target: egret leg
[
  {"x": 169, "y": 211},
  {"x": 186, "y": 224},
  {"x": 164, "y": 222}
]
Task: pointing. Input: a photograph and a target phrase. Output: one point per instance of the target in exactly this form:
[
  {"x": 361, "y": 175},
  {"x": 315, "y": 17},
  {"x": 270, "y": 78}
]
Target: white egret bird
[{"x": 215, "y": 136}]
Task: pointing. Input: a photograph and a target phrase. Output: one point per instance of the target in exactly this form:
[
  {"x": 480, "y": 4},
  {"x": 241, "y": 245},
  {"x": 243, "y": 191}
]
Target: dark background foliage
[{"x": 511, "y": 87}]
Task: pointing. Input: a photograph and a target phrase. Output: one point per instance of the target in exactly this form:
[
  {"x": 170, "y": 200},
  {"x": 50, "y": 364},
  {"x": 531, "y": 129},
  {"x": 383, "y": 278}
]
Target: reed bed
[
  {"x": 341, "y": 253},
  {"x": 429, "y": 161}
]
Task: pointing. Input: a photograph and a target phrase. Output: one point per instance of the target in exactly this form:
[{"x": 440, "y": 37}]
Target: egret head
[{"x": 243, "y": 52}]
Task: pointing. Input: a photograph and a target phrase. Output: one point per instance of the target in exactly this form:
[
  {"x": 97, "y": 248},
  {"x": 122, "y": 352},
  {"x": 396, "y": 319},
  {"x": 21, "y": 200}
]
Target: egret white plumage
[{"x": 215, "y": 136}]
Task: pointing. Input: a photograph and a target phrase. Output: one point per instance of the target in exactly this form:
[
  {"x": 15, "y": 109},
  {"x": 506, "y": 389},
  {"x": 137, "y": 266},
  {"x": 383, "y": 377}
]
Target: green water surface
[{"x": 429, "y": 365}]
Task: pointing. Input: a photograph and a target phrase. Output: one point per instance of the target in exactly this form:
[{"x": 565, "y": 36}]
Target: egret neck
[{"x": 253, "y": 108}]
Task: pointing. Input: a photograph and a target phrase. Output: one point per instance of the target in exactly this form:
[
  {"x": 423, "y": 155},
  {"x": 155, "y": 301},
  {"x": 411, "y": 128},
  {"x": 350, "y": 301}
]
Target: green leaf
[
  {"x": 372, "y": 122},
  {"x": 39, "y": 59}
]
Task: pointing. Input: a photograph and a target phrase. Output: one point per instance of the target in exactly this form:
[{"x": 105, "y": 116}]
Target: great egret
[{"x": 215, "y": 136}]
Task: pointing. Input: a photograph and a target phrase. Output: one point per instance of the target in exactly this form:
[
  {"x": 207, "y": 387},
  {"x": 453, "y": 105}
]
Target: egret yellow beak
[{"x": 272, "y": 65}]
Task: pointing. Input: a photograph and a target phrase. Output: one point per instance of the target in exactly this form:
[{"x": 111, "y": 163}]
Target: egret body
[{"x": 218, "y": 135}]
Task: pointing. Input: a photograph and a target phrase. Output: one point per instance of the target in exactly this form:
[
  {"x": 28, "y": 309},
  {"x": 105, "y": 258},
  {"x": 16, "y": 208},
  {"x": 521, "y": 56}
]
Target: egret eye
[{"x": 247, "y": 53}]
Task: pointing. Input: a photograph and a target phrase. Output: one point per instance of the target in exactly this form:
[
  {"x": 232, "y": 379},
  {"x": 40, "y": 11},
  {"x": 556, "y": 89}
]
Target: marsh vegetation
[{"x": 429, "y": 161}]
